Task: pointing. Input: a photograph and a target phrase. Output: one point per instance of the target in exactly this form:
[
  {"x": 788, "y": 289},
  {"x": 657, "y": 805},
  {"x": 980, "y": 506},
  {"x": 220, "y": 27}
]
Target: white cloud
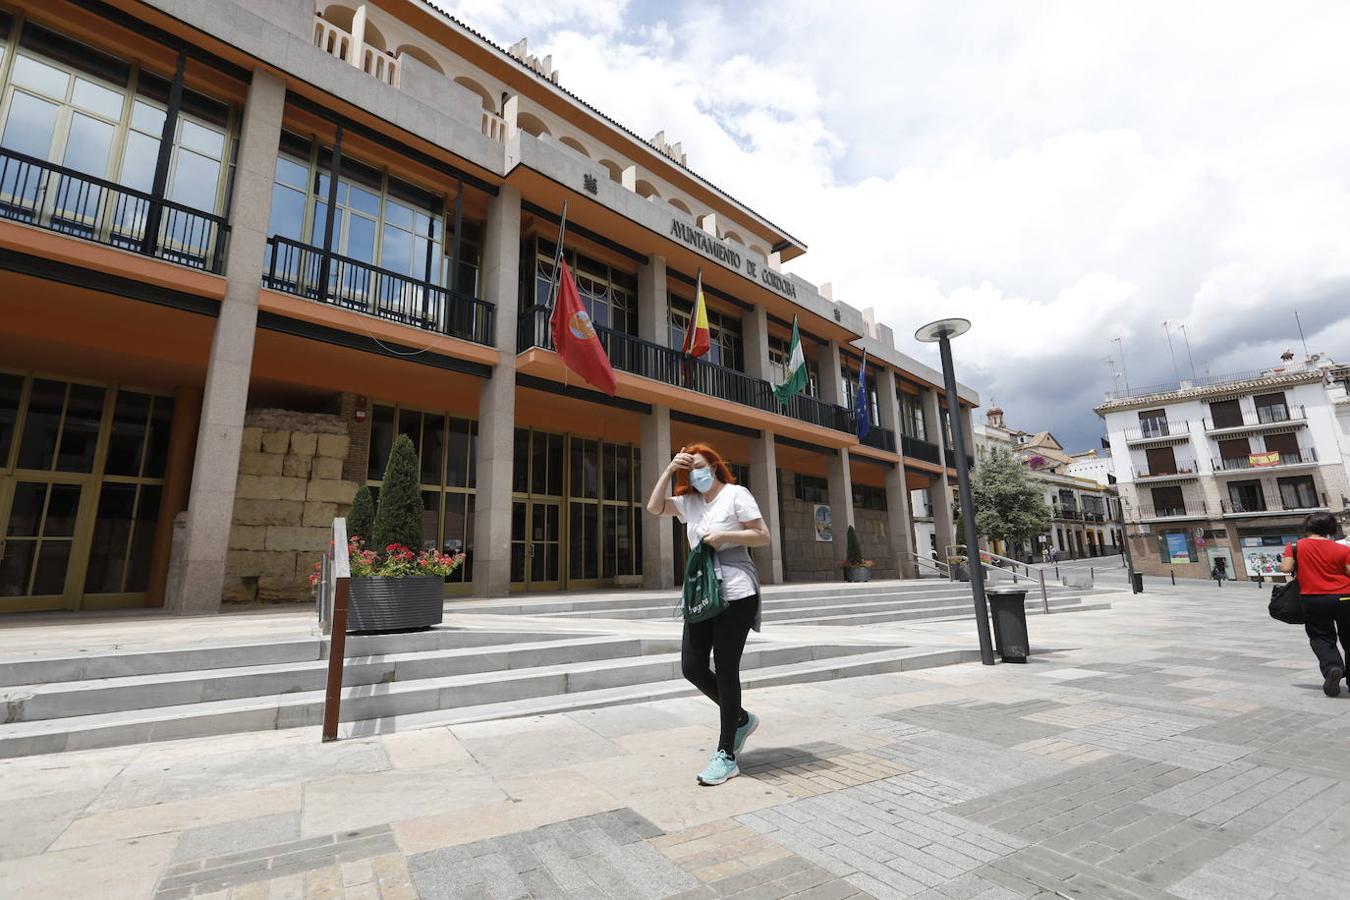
[{"x": 1060, "y": 173}]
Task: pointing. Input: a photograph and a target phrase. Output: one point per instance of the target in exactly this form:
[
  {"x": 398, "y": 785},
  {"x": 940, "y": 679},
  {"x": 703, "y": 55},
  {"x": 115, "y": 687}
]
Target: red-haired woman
[{"x": 724, "y": 515}]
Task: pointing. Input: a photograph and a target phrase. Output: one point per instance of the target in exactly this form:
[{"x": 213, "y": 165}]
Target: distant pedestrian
[
  {"x": 1322, "y": 567},
  {"x": 1054, "y": 555},
  {"x": 724, "y": 516},
  {"x": 1220, "y": 570}
]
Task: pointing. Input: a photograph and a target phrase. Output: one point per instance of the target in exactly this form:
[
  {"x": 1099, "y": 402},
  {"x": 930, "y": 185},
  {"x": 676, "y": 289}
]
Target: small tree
[
  {"x": 1008, "y": 506},
  {"x": 854, "y": 548},
  {"x": 398, "y": 516},
  {"x": 361, "y": 519}
]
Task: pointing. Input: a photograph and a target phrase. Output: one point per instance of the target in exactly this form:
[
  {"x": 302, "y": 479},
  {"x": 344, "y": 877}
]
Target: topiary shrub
[
  {"x": 854, "y": 547},
  {"x": 398, "y": 516},
  {"x": 361, "y": 520}
]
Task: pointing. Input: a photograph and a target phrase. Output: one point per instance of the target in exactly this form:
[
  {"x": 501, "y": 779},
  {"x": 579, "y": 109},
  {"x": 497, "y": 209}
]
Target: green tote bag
[{"x": 702, "y": 594}]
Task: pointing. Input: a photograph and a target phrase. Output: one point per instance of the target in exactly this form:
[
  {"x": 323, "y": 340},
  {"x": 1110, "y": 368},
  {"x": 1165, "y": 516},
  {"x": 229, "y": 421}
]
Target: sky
[{"x": 1061, "y": 173}]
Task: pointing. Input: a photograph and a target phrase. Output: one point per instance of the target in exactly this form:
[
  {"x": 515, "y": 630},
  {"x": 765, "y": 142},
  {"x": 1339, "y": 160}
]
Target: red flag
[
  {"x": 574, "y": 336},
  {"x": 697, "y": 340}
]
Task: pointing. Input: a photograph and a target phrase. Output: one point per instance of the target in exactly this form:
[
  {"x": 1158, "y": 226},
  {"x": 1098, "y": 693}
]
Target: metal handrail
[
  {"x": 336, "y": 584},
  {"x": 918, "y": 448},
  {"x": 1286, "y": 415},
  {"x": 297, "y": 268},
  {"x": 649, "y": 359},
  {"x": 1032, "y": 572},
  {"x": 60, "y": 199},
  {"x": 880, "y": 438},
  {"x": 1304, "y": 456}
]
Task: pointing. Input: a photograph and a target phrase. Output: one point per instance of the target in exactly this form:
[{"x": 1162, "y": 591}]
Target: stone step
[
  {"x": 48, "y": 670},
  {"x": 870, "y": 663},
  {"x": 951, "y": 611},
  {"x": 31, "y": 703},
  {"x": 377, "y": 701}
]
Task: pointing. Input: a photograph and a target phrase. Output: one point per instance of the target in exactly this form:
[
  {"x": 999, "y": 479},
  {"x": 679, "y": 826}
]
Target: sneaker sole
[
  {"x": 754, "y": 726},
  {"x": 1332, "y": 686},
  {"x": 731, "y": 775}
]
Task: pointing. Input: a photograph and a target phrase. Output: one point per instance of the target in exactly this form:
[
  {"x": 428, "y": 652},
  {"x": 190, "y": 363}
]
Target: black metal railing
[
  {"x": 1236, "y": 506},
  {"x": 1261, "y": 460},
  {"x": 629, "y": 353},
  {"x": 1181, "y": 468},
  {"x": 1093, "y": 516},
  {"x": 880, "y": 438},
  {"x": 1156, "y": 429},
  {"x": 1065, "y": 512},
  {"x": 296, "y": 268},
  {"x": 1263, "y": 415},
  {"x": 1173, "y": 512},
  {"x": 63, "y": 200},
  {"x": 920, "y": 449}
]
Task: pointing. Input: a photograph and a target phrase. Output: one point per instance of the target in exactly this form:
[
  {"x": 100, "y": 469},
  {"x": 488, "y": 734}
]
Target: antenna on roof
[
  {"x": 1115, "y": 375},
  {"x": 1306, "y": 354},
  {"x": 1182, "y": 326}
]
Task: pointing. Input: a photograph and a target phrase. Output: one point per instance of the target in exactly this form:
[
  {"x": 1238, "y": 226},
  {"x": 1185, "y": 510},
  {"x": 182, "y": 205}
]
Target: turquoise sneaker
[
  {"x": 721, "y": 769},
  {"x": 743, "y": 733}
]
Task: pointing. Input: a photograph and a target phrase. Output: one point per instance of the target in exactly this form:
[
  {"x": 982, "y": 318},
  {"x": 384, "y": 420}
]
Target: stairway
[
  {"x": 872, "y": 603},
  {"x": 438, "y": 677}
]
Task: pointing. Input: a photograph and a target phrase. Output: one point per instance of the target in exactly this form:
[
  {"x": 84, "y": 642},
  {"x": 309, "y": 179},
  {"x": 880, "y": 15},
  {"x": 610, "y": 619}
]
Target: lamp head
[{"x": 936, "y": 331}]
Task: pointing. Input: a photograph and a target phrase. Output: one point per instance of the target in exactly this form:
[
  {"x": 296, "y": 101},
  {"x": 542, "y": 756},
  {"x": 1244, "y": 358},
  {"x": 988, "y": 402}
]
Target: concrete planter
[
  {"x": 395, "y": 604},
  {"x": 960, "y": 572},
  {"x": 857, "y": 573}
]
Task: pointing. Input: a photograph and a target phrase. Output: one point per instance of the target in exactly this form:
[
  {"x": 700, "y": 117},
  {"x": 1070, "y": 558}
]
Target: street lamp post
[
  {"x": 941, "y": 332},
  {"x": 1125, "y": 543}
]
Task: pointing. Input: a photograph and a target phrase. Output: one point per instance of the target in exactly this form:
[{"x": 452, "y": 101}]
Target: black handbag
[{"x": 1286, "y": 600}]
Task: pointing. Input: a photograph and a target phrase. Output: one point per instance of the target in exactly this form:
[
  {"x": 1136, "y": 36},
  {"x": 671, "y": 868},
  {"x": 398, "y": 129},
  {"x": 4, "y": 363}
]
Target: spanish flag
[{"x": 696, "y": 338}]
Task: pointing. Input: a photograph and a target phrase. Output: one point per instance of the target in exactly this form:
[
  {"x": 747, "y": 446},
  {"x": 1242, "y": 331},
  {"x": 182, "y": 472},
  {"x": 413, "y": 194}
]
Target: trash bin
[
  {"x": 1008, "y": 606},
  {"x": 1137, "y": 582}
]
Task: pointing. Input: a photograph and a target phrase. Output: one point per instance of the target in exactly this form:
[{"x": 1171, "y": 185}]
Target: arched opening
[
  {"x": 575, "y": 145},
  {"x": 680, "y": 205},
  {"x": 421, "y": 56},
  {"x": 614, "y": 169},
  {"x": 646, "y": 191},
  {"x": 374, "y": 39},
  {"x": 734, "y": 238},
  {"x": 341, "y": 16},
  {"x": 532, "y": 124},
  {"x": 760, "y": 252},
  {"x": 483, "y": 93}
]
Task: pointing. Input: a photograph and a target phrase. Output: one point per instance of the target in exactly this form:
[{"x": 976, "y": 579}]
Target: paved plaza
[{"x": 1176, "y": 745}]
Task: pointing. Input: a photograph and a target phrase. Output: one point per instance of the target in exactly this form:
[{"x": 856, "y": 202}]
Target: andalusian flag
[
  {"x": 696, "y": 337},
  {"x": 797, "y": 377}
]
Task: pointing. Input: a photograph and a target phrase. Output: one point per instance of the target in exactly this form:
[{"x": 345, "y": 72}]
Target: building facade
[
  {"x": 1227, "y": 468},
  {"x": 244, "y": 244},
  {"x": 1084, "y": 508}
]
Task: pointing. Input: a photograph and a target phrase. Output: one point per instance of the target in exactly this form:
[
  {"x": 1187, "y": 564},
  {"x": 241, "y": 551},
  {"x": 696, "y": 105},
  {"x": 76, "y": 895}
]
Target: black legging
[
  {"x": 1326, "y": 615},
  {"x": 722, "y": 637}
]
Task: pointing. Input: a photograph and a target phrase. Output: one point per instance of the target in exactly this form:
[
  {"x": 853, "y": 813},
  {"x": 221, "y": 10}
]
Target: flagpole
[{"x": 557, "y": 257}]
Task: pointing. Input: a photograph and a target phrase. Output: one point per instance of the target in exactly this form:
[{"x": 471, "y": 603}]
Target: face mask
[{"x": 701, "y": 479}]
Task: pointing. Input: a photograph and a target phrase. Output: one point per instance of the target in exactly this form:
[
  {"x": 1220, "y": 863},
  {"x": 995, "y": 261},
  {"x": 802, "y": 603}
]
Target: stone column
[
  {"x": 358, "y": 44},
  {"x": 840, "y": 479},
  {"x": 755, "y": 339},
  {"x": 658, "y": 553},
  {"x": 225, "y": 395},
  {"x": 497, "y": 400},
  {"x": 653, "y": 302},
  {"x": 899, "y": 517},
  {"x": 940, "y": 496},
  {"x": 187, "y": 409},
  {"x": 764, "y": 485},
  {"x": 831, "y": 387}
]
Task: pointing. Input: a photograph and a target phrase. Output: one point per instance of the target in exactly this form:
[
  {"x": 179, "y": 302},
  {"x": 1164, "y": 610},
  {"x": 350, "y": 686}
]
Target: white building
[{"x": 1226, "y": 469}]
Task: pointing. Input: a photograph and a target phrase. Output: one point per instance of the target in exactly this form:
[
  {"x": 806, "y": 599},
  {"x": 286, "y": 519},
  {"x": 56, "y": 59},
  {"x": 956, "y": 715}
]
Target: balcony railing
[
  {"x": 374, "y": 62},
  {"x": 920, "y": 449},
  {"x": 1233, "y": 506},
  {"x": 1264, "y": 415},
  {"x": 1093, "y": 516},
  {"x": 1188, "y": 510},
  {"x": 880, "y": 438},
  {"x": 1187, "y": 468},
  {"x": 1266, "y": 461},
  {"x": 1157, "y": 430},
  {"x": 1065, "y": 512},
  {"x": 296, "y": 268},
  {"x": 628, "y": 353},
  {"x": 69, "y": 202}
]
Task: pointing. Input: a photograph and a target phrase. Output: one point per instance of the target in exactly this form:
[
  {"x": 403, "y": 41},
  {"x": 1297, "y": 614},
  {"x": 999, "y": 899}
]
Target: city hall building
[{"x": 244, "y": 244}]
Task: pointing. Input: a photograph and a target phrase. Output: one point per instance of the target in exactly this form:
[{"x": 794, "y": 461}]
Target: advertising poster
[
  {"x": 1177, "y": 551},
  {"x": 1262, "y": 555},
  {"x": 824, "y": 528}
]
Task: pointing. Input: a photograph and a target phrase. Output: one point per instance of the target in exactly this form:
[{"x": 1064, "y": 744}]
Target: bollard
[{"x": 1174, "y": 577}]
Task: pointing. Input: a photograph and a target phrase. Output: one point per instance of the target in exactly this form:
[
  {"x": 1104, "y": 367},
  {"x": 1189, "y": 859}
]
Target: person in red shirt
[{"x": 1323, "y": 569}]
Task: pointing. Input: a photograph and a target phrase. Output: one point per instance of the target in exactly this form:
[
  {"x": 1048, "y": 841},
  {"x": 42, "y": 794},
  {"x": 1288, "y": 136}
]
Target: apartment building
[
  {"x": 1226, "y": 468},
  {"x": 1079, "y": 492},
  {"x": 246, "y": 243}
]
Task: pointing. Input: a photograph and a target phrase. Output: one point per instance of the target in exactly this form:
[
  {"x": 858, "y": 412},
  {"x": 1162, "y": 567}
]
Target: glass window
[
  {"x": 147, "y": 118},
  {"x": 206, "y": 141},
  {"x": 31, "y": 125},
  {"x": 11, "y": 390},
  {"x": 138, "y": 161},
  {"x": 79, "y": 432},
  {"x": 97, "y": 99},
  {"x": 42, "y": 424},
  {"x": 40, "y": 76},
  {"x": 195, "y": 181},
  {"x": 126, "y": 443}
]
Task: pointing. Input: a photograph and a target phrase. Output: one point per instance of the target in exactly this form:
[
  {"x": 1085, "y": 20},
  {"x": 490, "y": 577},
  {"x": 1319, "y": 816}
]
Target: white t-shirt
[{"x": 732, "y": 506}]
